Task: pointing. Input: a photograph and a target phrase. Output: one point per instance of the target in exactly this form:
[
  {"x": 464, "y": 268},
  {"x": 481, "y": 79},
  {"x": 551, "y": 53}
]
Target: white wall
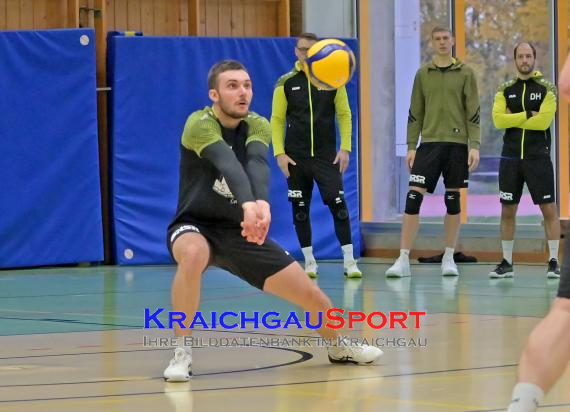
[{"x": 329, "y": 18}]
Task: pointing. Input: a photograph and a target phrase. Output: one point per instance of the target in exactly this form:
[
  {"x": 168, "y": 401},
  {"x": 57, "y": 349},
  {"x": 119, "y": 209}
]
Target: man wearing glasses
[{"x": 309, "y": 152}]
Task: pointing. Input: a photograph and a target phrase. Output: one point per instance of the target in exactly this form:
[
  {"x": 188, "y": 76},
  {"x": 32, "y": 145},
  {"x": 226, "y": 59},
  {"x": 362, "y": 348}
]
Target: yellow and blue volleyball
[{"x": 330, "y": 64}]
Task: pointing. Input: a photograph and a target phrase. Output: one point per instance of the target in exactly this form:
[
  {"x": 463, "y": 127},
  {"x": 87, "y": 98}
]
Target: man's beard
[
  {"x": 232, "y": 113},
  {"x": 528, "y": 70}
]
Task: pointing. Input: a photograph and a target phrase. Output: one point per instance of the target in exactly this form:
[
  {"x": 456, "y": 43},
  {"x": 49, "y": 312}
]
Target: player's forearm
[
  {"x": 257, "y": 169},
  {"x": 224, "y": 159}
]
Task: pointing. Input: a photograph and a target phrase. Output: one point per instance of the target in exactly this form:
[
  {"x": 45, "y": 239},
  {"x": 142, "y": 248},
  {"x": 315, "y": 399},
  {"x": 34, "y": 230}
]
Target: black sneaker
[
  {"x": 553, "y": 269},
  {"x": 503, "y": 270}
]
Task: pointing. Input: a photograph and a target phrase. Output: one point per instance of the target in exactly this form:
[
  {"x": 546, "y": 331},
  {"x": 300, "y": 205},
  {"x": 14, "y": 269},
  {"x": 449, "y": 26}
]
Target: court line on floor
[{"x": 268, "y": 385}]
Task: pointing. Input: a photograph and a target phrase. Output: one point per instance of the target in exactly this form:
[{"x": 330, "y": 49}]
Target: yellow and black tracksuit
[
  {"x": 526, "y": 143},
  {"x": 303, "y": 126}
]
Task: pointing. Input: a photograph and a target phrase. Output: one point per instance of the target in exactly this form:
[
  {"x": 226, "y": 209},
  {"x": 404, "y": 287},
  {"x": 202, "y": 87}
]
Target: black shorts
[
  {"x": 564, "y": 286},
  {"x": 230, "y": 251},
  {"x": 306, "y": 172},
  {"x": 538, "y": 175},
  {"x": 440, "y": 158}
]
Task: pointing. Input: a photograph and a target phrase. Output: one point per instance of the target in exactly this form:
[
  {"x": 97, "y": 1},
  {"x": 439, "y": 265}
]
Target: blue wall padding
[
  {"x": 50, "y": 206},
  {"x": 157, "y": 82}
]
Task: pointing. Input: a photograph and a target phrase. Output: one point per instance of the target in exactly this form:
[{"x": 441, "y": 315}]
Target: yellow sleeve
[
  {"x": 259, "y": 129},
  {"x": 503, "y": 120},
  {"x": 344, "y": 118},
  {"x": 200, "y": 131},
  {"x": 278, "y": 114},
  {"x": 545, "y": 115}
]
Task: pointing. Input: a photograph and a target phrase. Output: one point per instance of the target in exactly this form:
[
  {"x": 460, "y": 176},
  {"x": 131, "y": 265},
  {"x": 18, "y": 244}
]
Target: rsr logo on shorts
[
  {"x": 535, "y": 96},
  {"x": 185, "y": 228},
  {"x": 295, "y": 194},
  {"x": 506, "y": 195},
  {"x": 418, "y": 179}
]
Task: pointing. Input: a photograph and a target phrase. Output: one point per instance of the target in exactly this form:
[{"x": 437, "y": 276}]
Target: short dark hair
[
  {"x": 307, "y": 36},
  {"x": 219, "y": 68},
  {"x": 438, "y": 29},
  {"x": 524, "y": 42}
]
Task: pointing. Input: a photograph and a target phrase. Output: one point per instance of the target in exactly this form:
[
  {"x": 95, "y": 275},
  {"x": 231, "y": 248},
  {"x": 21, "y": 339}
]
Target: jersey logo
[
  {"x": 222, "y": 188},
  {"x": 418, "y": 179},
  {"x": 512, "y": 96},
  {"x": 295, "y": 194},
  {"x": 296, "y": 88},
  {"x": 506, "y": 195},
  {"x": 535, "y": 96}
]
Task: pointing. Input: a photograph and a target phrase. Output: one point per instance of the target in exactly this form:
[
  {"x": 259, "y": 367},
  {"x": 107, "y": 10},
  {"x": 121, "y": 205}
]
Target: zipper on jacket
[
  {"x": 523, "y": 130},
  {"x": 311, "y": 112}
]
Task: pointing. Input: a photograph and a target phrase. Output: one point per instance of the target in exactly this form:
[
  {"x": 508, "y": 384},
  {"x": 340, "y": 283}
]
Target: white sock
[
  {"x": 405, "y": 253},
  {"x": 347, "y": 253},
  {"x": 184, "y": 342},
  {"x": 449, "y": 251},
  {"x": 308, "y": 253},
  {"x": 526, "y": 398},
  {"x": 553, "y": 248},
  {"x": 508, "y": 250}
]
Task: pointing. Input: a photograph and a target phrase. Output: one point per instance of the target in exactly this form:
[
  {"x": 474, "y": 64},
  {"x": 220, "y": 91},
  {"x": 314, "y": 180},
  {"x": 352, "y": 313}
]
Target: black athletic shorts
[
  {"x": 230, "y": 251},
  {"x": 306, "y": 172},
  {"x": 537, "y": 173},
  {"x": 564, "y": 286},
  {"x": 440, "y": 158}
]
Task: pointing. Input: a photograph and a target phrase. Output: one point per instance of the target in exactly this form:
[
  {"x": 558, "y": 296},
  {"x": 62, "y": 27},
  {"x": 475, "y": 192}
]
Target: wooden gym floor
[{"x": 71, "y": 339}]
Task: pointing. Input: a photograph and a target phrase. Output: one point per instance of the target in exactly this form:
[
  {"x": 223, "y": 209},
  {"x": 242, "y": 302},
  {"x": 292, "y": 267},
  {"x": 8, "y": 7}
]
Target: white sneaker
[
  {"x": 311, "y": 269},
  {"x": 351, "y": 271},
  {"x": 180, "y": 367},
  {"x": 448, "y": 267},
  {"x": 400, "y": 269},
  {"x": 354, "y": 353}
]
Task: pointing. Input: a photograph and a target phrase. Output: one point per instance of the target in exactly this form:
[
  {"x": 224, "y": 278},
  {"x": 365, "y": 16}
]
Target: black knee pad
[
  {"x": 300, "y": 211},
  {"x": 338, "y": 208},
  {"x": 413, "y": 202},
  {"x": 453, "y": 203}
]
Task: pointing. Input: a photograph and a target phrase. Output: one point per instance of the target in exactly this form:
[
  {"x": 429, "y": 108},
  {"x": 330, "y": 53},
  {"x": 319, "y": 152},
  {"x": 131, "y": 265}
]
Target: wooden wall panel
[
  {"x": 110, "y": 15},
  {"x": 238, "y": 18},
  {"x": 12, "y": 14},
  {"x": 172, "y": 18},
  {"x": 250, "y": 19},
  {"x": 121, "y": 15},
  {"x": 212, "y": 18},
  {"x": 183, "y": 17},
  {"x": 147, "y": 16},
  {"x": 202, "y": 12},
  {"x": 26, "y": 14},
  {"x": 134, "y": 14},
  {"x": 2, "y": 14},
  {"x": 224, "y": 18}
]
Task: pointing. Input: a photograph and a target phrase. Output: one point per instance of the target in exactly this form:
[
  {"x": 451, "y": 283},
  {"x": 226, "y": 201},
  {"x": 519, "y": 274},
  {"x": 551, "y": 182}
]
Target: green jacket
[{"x": 444, "y": 106}]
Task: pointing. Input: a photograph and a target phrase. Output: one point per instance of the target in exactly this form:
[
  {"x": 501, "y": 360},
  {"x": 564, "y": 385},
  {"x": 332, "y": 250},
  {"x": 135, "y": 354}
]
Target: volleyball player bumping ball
[
  {"x": 223, "y": 216},
  {"x": 309, "y": 98}
]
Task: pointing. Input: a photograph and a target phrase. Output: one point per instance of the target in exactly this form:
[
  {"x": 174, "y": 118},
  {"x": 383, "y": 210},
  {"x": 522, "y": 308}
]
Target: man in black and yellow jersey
[
  {"x": 223, "y": 216},
  {"x": 546, "y": 355},
  {"x": 309, "y": 153},
  {"x": 444, "y": 110},
  {"x": 525, "y": 107}
]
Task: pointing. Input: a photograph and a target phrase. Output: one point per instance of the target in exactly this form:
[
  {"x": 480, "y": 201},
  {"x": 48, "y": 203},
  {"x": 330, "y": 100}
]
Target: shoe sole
[
  {"x": 333, "y": 360},
  {"x": 178, "y": 378},
  {"x": 450, "y": 274},
  {"x": 312, "y": 275},
  {"x": 494, "y": 275},
  {"x": 552, "y": 275},
  {"x": 355, "y": 275}
]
